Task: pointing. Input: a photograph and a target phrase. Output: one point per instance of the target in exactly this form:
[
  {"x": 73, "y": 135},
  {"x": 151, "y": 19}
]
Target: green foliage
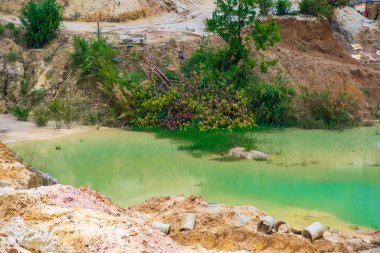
[
  {"x": 283, "y": 7},
  {"x": 56, "y": 109},
  {"x": 40, "y": 116},
  {"x": 322, "y": 108},
  {"x": 21, "y": 113},
  {"x": 24, "y": 87},
  {"x": 40, "y": 21},
  {"x": 214, "y": 111},
  {"x": 316, "y": 8},
  {"x": 36, "y": 96},
  {"x": 229, "y": 20},
  {"x": 338, "y": 3},
  {"x": 176, "y": 108},
  {"x": 95, "y": 60},
  {"x": 12, "y": 56},
  {"x": 1, "y": 29},
  {"x": 136, "y": 76},
  {"x": 67, "y": 113},
  {"x": 10, "y": 26},
  {"x": 150, "y": 105},
  {"x": 271, "y": 103},
  {"x": 265, "y": 6},
  {"x": 89, "y": 119}
]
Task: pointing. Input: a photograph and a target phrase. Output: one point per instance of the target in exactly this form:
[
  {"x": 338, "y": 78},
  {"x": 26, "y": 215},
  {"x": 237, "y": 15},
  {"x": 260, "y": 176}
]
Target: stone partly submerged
[
  {"x": 242, "y": 153},
  {"x": 58, "y": 218}
]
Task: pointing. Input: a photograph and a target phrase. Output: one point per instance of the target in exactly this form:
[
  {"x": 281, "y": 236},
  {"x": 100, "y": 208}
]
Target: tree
[
  {"x": 40, "y": 21},
  {"x": 237, "y": 23}
]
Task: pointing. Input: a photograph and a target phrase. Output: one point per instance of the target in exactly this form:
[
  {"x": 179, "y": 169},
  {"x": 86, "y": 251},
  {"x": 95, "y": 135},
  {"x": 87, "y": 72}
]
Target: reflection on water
[{"x": 314, "y": 174}]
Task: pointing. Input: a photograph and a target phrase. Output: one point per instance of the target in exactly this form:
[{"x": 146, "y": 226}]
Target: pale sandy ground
[
  {"x": 12, "y": 130},
  {"x": 179, "y": 26}
]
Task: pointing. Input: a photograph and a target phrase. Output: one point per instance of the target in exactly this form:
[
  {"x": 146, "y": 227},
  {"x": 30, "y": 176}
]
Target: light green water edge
[{"x": 329, "y": 176}]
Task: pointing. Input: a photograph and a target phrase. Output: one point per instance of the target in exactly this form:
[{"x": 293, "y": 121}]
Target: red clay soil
[{"x": 312, "y": 55}]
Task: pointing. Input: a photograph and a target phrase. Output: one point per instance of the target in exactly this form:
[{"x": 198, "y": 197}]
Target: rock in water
[{"x": 239, "y": 152}]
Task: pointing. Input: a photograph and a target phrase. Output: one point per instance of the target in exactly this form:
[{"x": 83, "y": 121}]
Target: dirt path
[{"x": 13, "y": 130}]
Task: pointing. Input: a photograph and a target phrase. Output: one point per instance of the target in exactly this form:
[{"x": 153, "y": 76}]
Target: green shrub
[
  {"x": 315, "y": 8},
  {"x": 271, "y": 103},
  {"x": 12, "y": 56},
  {"x": 150, "y": 105},
  {"x": 95, "y": 60},
  {"x": 40, "y": 116},
  {"x": 283, "y": 7},
  {"x": 325, "y": 108},
  {"x": 89, "y": 118},
  {"x": 21, "y": 113},
  {"x": 24, "y": 87},
  {"x": 40, "y": 21},
  {"x": 10, "y": 26},
  {"x": 67, "y": 113},
  {"x": 36, "y": 96},
  {"x": 222, "y": 111},
  {"x": 136, "y": 76},
  {"x": 56, "y": 110},
  {"x": 265, "y": 6},
  {"x": 1, "y": 29}
]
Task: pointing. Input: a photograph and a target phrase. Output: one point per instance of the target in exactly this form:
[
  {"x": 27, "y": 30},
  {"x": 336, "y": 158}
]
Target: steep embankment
[
  {"x": 314, "y": 55},
  {"x": 59, "y": 218}
]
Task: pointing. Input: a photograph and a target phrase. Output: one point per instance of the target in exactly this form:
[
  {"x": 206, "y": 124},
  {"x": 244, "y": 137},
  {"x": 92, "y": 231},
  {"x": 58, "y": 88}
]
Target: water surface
[{"x": 330, "y": 176}]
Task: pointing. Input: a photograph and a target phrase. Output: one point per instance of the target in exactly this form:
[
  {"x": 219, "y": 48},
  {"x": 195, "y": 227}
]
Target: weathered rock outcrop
[
  {"x": 356, "y": 28},
  {"x": 15, "y": 174},
  {"x": 65, "y": 219},
  {"x": 11, "y": 73}
]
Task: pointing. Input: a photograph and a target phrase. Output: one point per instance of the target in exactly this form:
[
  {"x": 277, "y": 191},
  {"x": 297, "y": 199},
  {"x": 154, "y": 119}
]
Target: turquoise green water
[{"x": 314, "y": 174}]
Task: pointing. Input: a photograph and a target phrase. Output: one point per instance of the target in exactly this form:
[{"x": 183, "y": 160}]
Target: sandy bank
[{"x": 12, "y": 130}]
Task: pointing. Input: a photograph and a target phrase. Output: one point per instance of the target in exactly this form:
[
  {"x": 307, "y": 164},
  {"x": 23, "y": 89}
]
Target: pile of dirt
[
  {"x": 231, "y": 228},
  {"x": 312, "y": 37},
  {"x": 312, "y": 55}
]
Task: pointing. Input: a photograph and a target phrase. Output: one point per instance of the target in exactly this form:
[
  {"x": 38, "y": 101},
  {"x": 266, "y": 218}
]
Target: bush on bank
[{"x": 40, "y": 22}]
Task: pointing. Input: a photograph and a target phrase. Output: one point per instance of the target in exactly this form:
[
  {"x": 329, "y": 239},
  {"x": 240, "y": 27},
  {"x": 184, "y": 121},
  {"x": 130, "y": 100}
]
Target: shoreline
[{"x": 13, "y": 130}]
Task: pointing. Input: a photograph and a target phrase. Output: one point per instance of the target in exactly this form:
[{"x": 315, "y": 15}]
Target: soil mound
[{"x": 234, "y": 228}]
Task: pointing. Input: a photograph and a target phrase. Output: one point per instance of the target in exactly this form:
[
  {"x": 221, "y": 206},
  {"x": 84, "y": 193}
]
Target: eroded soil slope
[{"x": 313, "y": 55}]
